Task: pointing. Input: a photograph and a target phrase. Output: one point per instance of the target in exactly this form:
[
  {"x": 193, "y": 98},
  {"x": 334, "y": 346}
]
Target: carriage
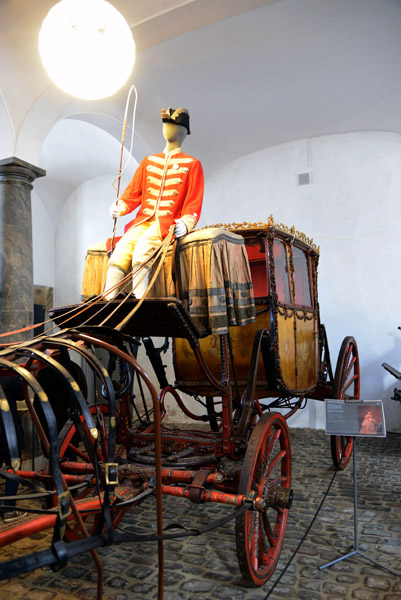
[{"x": 241, "y": 306}]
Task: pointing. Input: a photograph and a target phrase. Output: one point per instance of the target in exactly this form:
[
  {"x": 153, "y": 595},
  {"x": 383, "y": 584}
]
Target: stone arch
[{"x": 7, "y": 138}]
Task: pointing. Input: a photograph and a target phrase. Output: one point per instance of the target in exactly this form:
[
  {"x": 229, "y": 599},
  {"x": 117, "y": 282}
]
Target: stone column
[{"x": 16, "y": 261}]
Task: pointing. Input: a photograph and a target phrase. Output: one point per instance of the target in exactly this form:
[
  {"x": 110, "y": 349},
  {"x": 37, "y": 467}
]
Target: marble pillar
[{"x": 16, "y": 261}]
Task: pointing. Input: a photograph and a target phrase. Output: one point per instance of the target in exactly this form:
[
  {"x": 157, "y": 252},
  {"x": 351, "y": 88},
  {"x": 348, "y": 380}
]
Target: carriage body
[{"x": 283, "y": 267}]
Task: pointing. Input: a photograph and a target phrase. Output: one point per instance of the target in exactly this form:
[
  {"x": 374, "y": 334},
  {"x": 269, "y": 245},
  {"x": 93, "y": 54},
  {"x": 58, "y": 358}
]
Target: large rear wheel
[
  {"x": 266, "y": 472},
  {"x": 346, "y": 386}
]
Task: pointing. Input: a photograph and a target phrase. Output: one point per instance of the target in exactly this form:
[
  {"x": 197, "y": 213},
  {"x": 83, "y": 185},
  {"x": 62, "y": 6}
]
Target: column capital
[{"x": 14, "y": 169}]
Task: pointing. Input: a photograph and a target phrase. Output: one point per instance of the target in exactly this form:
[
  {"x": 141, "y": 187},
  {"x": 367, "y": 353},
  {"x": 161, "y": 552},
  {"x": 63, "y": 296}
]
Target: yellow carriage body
[{"x": 284, "y": 275}]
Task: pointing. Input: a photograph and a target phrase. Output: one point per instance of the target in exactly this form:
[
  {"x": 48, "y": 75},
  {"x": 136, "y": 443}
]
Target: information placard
[{"x": 355, "y": 418}]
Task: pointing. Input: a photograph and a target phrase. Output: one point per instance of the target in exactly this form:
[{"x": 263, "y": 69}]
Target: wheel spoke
[
  {"x": 268, "y": 447},
  {"x": 351, "y": 366},
  {"x": 103, "y": 435},
  {"x": 254, "y": 539},
  {"x": 280, "y": 455},
  {"x": 274, "y": 438},
  {"x": 78, "y": 453},
  {"x": 267, "y": 529},
  {"x": 346, "y": 385}
]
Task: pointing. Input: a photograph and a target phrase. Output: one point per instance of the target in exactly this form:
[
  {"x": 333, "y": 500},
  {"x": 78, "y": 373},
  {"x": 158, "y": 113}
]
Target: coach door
[
  {"x": 305, "y": 323},
  {"x": 295, "y": 316}
]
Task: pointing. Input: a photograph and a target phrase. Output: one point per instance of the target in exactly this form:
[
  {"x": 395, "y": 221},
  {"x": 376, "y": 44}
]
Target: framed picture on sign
[{"x": 360, "y": 418}]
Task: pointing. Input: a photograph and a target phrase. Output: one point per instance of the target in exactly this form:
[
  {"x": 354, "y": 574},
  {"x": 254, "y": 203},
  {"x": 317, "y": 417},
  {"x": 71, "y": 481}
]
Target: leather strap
[{"x": 198, "y": 486}]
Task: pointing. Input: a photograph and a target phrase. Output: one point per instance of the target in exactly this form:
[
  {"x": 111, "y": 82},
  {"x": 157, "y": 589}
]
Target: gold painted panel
[
  {"x": 286, "y": 350},
  {"x": 307, "y": 349},
  {"x": 188, "y": 370}
]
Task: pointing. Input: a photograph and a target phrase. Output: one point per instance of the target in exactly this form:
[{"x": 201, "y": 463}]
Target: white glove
[
  {"x": 180, "y": 228},
  {"x": 116, "y": 210}
]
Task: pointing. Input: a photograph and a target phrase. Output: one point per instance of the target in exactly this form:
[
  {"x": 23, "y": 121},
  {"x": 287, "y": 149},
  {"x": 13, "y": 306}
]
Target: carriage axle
[{"x": 203, "y": 495}]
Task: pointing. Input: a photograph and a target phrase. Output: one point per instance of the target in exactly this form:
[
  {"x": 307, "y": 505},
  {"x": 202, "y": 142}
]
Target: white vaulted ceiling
[{"x": 253, "y": 73}]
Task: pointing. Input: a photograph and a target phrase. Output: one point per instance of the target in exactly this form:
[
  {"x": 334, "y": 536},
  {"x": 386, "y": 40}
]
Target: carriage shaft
[
  {"x": 214, "y": 496},
  {"x": 179, "y": 476}
]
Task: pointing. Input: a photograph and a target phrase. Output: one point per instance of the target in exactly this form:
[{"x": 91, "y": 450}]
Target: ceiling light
[{"x": 87, "y": 48}]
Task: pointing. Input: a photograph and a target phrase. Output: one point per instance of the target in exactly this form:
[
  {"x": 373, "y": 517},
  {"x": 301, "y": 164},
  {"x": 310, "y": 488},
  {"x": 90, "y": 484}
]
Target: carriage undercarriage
[{"x": 116, "y": 450}]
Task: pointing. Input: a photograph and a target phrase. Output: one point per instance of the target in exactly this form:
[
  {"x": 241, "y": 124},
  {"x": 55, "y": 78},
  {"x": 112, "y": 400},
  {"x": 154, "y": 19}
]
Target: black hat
[{"x": 179, "y": 116}]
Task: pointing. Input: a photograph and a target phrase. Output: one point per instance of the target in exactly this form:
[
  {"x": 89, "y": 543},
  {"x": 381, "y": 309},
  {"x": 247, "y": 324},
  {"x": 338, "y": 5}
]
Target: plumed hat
[{"x": 179, "y": 116}]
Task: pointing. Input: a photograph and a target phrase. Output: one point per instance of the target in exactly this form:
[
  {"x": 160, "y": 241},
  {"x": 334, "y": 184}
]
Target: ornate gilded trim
[{"x": 298, "y": 235}]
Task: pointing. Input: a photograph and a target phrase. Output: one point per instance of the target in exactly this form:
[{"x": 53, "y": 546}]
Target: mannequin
[{"x": 168, "y": 189}]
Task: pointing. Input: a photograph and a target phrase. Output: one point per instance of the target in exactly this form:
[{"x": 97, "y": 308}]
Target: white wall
[
  {"x": 352, "y": 210},
  {"x": 81, "y": 163},
  {"x": 84, "y": 221},
  {"x": 7, "y": 137},
  {"x": 42, "y": 242}
]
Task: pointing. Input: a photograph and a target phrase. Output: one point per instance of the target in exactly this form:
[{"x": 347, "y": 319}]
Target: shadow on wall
[
  {"x": 7, "y": 143},
  {"x": 381, "y": 385}
]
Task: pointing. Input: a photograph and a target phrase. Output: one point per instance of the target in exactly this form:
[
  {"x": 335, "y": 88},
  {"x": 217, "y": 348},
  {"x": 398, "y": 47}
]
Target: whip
[{"x": 121, "y": 170}]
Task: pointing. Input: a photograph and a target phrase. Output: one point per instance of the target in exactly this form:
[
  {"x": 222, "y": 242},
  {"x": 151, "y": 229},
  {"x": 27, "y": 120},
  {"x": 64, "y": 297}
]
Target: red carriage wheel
[
  {"x": 266, "y": 471},
  {"x": 72, "y": 449},
  {"x": 346, "y": 385}
]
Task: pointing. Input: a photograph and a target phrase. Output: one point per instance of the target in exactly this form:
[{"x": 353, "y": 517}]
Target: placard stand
[{"x": 356, "y": 536}]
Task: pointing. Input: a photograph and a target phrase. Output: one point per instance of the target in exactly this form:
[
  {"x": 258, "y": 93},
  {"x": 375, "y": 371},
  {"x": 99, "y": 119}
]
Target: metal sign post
[{"x": 355, "y": 418}]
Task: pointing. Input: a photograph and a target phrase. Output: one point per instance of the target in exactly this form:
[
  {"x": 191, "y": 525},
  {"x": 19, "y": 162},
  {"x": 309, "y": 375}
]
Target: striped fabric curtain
[{"x": 213, "y": 280}]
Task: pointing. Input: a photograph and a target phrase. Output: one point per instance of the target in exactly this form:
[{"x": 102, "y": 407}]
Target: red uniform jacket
[{"x": 166, "y": 186}]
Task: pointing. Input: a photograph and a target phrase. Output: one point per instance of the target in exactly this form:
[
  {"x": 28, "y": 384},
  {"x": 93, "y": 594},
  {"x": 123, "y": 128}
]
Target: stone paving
[{"x": 205, "y": 567}]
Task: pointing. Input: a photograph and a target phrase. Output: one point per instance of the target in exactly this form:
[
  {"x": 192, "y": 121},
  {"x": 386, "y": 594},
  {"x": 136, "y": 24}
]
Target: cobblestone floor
[{"x": 205, "y": 567}]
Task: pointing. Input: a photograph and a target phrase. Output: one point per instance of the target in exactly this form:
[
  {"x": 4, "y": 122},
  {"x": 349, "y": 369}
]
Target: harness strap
[
  {"x": 26, "y": 482},
  {"x": 74, "y": 389},
  {"x": 29, "y": 380},
  {"x": 17, "y": 566},
  {"x": 197, "y": 486},
  {"x": 9, "y": 431},
  {"x": 109, "y": 479}
]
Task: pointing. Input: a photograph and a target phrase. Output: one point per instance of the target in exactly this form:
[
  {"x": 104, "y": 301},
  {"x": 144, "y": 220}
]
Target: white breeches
[{"x": 136, "y": 245}]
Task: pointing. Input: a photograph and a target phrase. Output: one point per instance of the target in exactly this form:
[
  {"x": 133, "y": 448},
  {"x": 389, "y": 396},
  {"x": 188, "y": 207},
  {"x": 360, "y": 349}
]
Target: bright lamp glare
[{"x": 87, "y": 48}]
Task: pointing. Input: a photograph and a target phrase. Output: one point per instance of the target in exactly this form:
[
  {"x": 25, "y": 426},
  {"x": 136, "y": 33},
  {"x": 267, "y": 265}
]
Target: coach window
[
  {"x": 256, "y": 250},
  {"x": 281, "y": 272},
  {"x": 303, "y": 296}
]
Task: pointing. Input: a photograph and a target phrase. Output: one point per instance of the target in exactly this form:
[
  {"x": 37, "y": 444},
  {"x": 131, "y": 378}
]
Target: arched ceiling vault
[{"x": 253, "y": 73}]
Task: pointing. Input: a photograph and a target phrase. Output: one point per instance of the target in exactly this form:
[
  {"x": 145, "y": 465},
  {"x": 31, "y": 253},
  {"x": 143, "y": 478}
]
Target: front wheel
[
  {"x": 346, "y": 386},
  {"x": 72, "y": 449},
  {"x": 266, "y": 472}
]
